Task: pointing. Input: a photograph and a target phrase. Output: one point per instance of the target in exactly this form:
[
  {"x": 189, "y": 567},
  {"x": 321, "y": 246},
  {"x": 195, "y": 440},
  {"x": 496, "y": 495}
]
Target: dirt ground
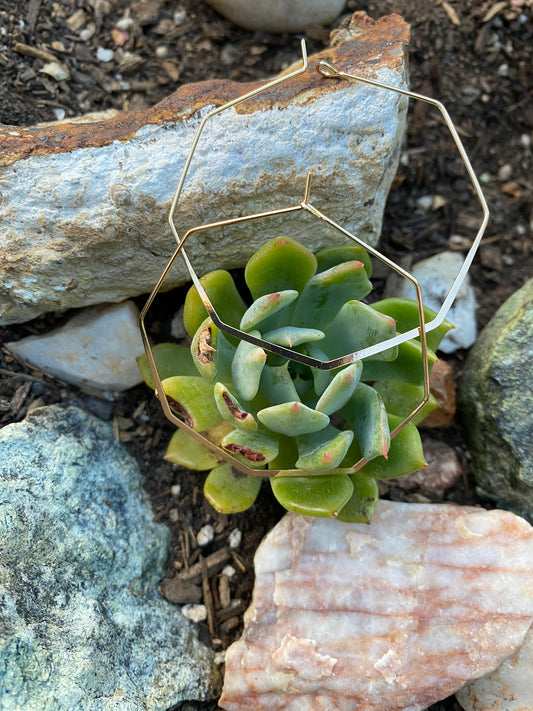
[{"x": 474, "y": 56}]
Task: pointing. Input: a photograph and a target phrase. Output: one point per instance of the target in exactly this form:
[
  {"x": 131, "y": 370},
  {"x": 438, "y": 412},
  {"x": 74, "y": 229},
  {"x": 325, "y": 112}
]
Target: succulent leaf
[
  {"x": 170, "y": 359},
  {"x": 265, "y": 307},
  {"x": 204, "y": 348},
  {"x": 362, "y": 503},
  {"x": 407, "y": 367},
  {"x": 255, "y": 449},
  {"x": 246, "y": 368},
  {"x": 277, "y": 385},
  {"x": 292, "y": 418},
  {"x": 321, "y": 378},
  {"x": 224, "y": 358},
  {"x": 340, "y": 389},
  {"x": 323, "y": 450},
  {"x": 291, "y": 336},
  {"x": 406, "y": 454},
  {"x": 223, "y": 295},
  {"x": 405, "y": 313},
  {"x": 339, "y": 253},
  {"x": 401, "y": 399},
  {"x": 287, "y": 455},
  {"x": 184, "y": 450},
  {"x": 366, "y": 415},
  {"x": 358, "y": 326},
  {"x": 191, "y": 398},
  {"x": 321, "y": 495},
  {"x": 280, "y": 264},
  {"x": 328, "y": 291},
  {"x": 231, "y": 410},
  {"x": 229, "y": 491}
]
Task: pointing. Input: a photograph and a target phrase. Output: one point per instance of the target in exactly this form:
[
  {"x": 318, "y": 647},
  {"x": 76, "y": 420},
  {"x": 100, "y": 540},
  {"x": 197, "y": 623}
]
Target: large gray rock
[
  {"x": 84, "y": 207},
  {"x": 279, "y": 15},
  {"x": 82, "y": 626},
  {"x": 496, "y": 399}
]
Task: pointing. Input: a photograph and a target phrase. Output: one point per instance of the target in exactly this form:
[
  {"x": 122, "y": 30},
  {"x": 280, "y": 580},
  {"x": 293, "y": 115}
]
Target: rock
[
  {"x": 84, "y": 207},
  {"x": 442, "y": 471},
  {"x": 82, "y": 624},
  {"x": 96, "y": 348},
  {"x": 280, "y": 15},
  {"x": 496, "y": 401},
  {"x": 393, "y": 615},
  {"x": 508, "y": 688},
  {"x": 442, "y": 387},
  {"x": 436, "y": 275}
]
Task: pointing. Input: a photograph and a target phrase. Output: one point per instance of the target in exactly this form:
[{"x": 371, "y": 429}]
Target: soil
[{"x": 475, "y": 57}]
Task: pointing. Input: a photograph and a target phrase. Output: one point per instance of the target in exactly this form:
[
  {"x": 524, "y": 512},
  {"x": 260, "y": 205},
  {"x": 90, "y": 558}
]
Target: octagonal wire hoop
[{"x": 327, "y": 71}]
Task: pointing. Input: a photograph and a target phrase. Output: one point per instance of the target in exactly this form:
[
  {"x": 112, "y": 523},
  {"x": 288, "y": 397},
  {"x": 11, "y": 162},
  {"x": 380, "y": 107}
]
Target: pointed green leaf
[
  {"x": 320, "y": 495},
  {"x": 406, "y": 367},
  {"x": 277, "y": 385},
  {"x": 290, "y": 336},
  {"x": 292, "y": 418},
  {"x": 191, "y": 398},
  {"x": 405, "y": 454},
  {"x": 366, "y": 415},
  {"x": 231, "y": 410},
  {"x": 287, "y": 455},
  {"x": 402, "y": 398},
  {"x": 405, "y": 313},
  {"x": 362, "y": 503},
  {"x": 170, "y": 359},
  {"x": 203, "y": 349},
  {"x": 246, "y": 368},
  {"x": 324, "y": 450},
  {"x": 327, "y": 292},
  {"x": 229, "y": 490},
  {"x": 222, "y": 292},
  {"x": 280, "y": 264},
  {"x": 255, "y": 449},
  {"x": 339, "y": 253},
  {"x": 266, "y": 306},
  {"x": 224, "y": 358},
  {"x": 358, "y": 326},
  {"x": 321, "y": 378},
  {"x": 340, "y": 389},
  {"x": 188, "y": 452}
]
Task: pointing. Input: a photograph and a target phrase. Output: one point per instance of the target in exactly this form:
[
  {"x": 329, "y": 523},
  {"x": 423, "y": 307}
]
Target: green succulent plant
[{"x": 270, "y": 412}]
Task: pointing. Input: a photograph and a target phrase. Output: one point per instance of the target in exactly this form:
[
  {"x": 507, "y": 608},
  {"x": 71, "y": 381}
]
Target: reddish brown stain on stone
[{"x": 366, "y": 43}]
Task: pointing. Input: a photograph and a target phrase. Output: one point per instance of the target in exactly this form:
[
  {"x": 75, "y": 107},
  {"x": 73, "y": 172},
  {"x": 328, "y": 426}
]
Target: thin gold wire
[{"x": 328, "y": 71}]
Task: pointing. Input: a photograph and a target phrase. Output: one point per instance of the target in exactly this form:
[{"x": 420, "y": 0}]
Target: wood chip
[
  {"x": 208, "y": 598},
  {"x": 181, "y": 592},
  {"x": 451, "y": 12},
  {"x": 28, "y": 51},
  {"x": 224, "y": 592},
  {"x": 494, "y": 10},
  {"x": 214, "y": 562}
]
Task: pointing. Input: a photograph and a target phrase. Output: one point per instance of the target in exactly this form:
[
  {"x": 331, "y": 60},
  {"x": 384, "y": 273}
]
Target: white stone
[
  {"x": 436, "y": 275},
  {"x": 104, "y": 55},
  {"x": 393, "y": 615},
  {"x": 96, "y": 348},
  {"x": 235, "y": 538},
  {"x": 89, "y": 224},
  {"x": 195, "y": 613},
  {"x": 279, "y": 15},
  {"x": 508, "y": 688},
  {"x": 205, "y": 535}
]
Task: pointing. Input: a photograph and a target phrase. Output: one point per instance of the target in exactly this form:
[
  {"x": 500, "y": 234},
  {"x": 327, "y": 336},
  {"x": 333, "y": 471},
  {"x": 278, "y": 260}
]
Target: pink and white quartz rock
[{"x": 393, "y": 615}]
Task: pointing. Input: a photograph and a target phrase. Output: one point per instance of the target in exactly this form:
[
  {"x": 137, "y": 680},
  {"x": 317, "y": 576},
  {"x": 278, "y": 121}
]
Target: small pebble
[
  {"x": 125, "y": 23},
  {"x": 525, "y": 140},
  {"x": 220, "y": 658},
  {"x": 195, "y": 613},
  {"x": 87, "y": 32},
  {"x": 55, "y": 70},
  {"x": 205, "y": 535},
  {"x": 174, "y": 515},
  {"x": 161, "y": 51},
  {"x": 59, "y": 114},
  {"x": 104, "y": 55},
  {"x": 179, "y": 17},
  {"x": 229, "y": 571},
  {"x": 425, "y": 202},
  {"x": 505, "y": 172},
  {"x": 175, "y": 489},
  {"x": 235, "y": 538}
]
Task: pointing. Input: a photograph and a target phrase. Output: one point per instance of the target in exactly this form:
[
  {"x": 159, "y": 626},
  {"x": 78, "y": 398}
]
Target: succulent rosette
[{"x": 326, "y": 432}]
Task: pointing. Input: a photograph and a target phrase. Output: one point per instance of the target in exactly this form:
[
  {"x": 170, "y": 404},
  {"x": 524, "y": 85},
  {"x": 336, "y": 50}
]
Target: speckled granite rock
[
  {"x": 496, "y": 403},
  {"x": 84, "y": 207},
  {"x": 508, "y": 688},
  {"x": 390, "y": 616},
  {"x": 82, "y": 626}
]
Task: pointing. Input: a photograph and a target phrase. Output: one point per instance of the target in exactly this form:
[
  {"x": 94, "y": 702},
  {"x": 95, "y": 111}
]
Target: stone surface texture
[
  {"x": 279, "y": 15},
  {"x": 84, "y": 207},
  {"x": 83, "y": 627},
  {"x": 442, "y": 471},
  {"x": 508, "y": 688},
  {"x": 393, "y": 615},
  {"x": 496, "y": 405},
  {"x": 95, "y": 349},
  {"x": 436, "y": 275}
]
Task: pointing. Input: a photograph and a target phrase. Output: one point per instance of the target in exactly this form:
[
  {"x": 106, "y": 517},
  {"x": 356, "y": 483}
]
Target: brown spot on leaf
[
  {"x": 250, "y": 454},
  {"x": 232, "y": 407},
  {"x": 180, "y": 411},
  {"x": 205, "y": 349}
]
